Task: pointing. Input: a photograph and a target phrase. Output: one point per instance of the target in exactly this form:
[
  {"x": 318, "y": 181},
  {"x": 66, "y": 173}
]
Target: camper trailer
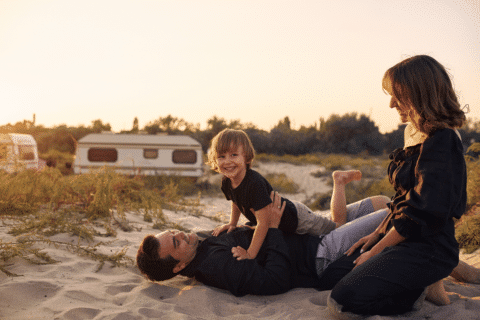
[
  {"x": 18, "y": 152},
  {"x": 141, "y": 154}
]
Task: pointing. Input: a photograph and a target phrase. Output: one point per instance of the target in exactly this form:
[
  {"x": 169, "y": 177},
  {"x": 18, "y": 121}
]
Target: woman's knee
[
  {"x": 379, "y": 202},
  {"x": 335, "y": 310},
  {"x": 343, "y": 298}
]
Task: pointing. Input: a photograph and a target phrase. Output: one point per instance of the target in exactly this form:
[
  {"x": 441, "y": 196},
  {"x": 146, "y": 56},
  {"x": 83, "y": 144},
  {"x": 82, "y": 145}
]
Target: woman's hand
[
  {"x": 366, "y": 243},
  {"x": 220, "y": 229},
  {"x": 363, "y": 258}
]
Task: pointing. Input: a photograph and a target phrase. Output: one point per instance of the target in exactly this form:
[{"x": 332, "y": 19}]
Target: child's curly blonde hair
[{"x": 226, "y": 140}]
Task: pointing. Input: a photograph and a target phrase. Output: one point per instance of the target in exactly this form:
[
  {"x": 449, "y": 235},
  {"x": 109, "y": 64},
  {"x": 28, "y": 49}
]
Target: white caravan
[
  {"x": 18, "y": 152},
  {"x": 140, "y": 154}
]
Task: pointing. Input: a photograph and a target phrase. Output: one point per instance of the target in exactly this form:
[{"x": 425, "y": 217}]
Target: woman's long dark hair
[{"x": 423, "y": 84}]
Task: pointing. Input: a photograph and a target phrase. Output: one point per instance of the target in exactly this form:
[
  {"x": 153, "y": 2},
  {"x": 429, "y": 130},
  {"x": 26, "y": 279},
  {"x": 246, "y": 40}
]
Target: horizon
[{"x": 201, "y": 129}]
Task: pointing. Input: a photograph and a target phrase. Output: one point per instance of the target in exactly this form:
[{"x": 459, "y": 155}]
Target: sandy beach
[{"x": 72, "y": 288}]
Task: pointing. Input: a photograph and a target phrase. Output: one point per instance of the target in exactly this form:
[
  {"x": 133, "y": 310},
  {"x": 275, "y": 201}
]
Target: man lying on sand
[{"x": 284, "y": 262}]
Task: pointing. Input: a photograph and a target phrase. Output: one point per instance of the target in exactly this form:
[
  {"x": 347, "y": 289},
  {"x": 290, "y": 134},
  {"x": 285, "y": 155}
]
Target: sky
[{"x": 72, "y": 62}]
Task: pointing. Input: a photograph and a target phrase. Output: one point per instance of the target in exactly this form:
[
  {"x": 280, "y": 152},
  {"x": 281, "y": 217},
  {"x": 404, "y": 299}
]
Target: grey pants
[
  {"x": 361, "y": 221},
  {"x": 315, "y": 223}
]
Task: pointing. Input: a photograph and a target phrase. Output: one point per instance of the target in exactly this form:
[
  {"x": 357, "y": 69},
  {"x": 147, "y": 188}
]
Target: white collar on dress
[{"x": 412, "y": 136}]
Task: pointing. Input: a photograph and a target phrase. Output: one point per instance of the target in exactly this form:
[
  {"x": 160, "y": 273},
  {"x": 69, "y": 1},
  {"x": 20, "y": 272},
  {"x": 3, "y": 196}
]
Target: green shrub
[
  {"x": 57, "y": 159},
  {"x": 473, "y": 182},
  {"x": 474, "y": 151},
  {"x": 467, "y": 232},
  {"x": 281, "y": 183},
  {"x": 185, "y": 186},
  {"x": 320, "y": 201}
]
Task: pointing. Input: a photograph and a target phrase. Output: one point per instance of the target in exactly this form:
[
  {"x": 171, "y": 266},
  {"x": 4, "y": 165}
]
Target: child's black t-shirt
[{"x": 254, "y": 193}]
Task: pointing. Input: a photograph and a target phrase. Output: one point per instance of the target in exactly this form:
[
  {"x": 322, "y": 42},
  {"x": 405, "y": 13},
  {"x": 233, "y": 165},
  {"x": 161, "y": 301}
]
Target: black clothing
[
  {"x": 285, "y": 261},
  {"x": 388, "y": 283},
  {"x": 430, "y": 184},
  {"x": 254, "y": 193}
]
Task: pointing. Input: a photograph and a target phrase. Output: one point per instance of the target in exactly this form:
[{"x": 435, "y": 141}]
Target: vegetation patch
[
  {"x": 281, "y": 183},
  {"x": 467, "y": 232},
  {"x": 34, "y": 206}
]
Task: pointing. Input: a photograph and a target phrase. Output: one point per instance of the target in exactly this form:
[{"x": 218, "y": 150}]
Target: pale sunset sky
[{"x": 72, "y": 62}]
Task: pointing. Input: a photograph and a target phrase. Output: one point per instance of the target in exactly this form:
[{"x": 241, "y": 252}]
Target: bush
[
  {"x": 281, "y": 183},
  {"x": 321, "y": 202},
  {"x": 467, "y": 232},
  {"x": 474, "y": 151},
  {"x": 57, "y": 159},
  {"x": 473, "y": 182}
]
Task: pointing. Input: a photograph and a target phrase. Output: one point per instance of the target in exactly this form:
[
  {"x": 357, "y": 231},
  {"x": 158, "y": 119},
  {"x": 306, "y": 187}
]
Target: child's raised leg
[{"x": 338, "y": 203}]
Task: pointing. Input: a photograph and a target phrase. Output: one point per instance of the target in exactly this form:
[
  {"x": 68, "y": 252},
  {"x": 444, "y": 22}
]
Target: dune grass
[
  {"x": 467, "y": 229},
  {"x": 37, "y": 205}
]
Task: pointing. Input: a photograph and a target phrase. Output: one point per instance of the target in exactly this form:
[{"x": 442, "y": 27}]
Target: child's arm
[
  {"x": 234, "y": 216},
  {"x": 258, "y": 237}
]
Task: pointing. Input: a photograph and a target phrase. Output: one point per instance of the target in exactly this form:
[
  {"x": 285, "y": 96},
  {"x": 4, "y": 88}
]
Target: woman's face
[{"x": 403, "y": 111}]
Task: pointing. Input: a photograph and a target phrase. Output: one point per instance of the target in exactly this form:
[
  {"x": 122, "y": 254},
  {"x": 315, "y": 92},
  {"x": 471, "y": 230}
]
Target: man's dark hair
[{"x": 150, "y": 263}]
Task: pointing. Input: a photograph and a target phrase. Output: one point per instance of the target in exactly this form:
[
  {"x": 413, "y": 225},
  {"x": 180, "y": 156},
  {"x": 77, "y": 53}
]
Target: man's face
[{"x": 179, "y": 245}]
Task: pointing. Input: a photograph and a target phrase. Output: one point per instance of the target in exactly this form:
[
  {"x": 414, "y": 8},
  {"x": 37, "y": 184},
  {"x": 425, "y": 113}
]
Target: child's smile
[{"x": 232, "y": 165}]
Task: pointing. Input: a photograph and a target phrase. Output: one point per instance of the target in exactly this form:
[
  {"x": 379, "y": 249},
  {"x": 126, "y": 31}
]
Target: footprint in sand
[
  {"x": 82, "y": 296},
  {"x": 80, "y": 314}
]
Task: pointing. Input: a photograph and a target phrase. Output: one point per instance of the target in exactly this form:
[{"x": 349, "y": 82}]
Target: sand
[{"x": 72, "y": 288}]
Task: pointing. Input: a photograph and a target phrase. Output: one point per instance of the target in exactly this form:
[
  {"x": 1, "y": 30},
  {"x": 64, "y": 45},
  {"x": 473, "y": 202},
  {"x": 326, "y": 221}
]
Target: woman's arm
[{"x": 392, "y": 238}]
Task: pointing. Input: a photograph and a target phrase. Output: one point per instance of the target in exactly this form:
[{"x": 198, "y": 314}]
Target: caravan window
[
  {"x": 102, "y": 155},
  {"x": 184, "y": 156},
  {"x": 150, "y": 153},
  {"x": 26, "y": 152}
]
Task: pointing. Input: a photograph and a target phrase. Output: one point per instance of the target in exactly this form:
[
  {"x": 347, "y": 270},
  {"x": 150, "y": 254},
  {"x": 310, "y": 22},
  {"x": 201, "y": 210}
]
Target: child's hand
[
  {"x": 220, "y": 229},
  {"x": 241, "y": 254}
]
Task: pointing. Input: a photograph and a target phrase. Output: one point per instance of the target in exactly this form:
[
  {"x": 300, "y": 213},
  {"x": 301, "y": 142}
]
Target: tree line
[{"x": 350, "y": 133}]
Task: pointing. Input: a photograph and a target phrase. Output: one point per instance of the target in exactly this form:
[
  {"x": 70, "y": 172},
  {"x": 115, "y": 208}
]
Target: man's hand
[
  {"x": 220, "y": 229},
  {"x": 240, "y": 253},
  {"x": 275, "y": 211}
]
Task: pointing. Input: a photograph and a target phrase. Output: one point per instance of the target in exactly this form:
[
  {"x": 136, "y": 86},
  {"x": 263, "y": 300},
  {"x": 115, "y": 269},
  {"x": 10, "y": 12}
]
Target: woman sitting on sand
[{"x": 387, "y": 271}]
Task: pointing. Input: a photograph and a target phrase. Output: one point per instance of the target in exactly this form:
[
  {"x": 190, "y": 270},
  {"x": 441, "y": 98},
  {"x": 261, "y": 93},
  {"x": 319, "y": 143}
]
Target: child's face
[{"x": 232, "y": 163}]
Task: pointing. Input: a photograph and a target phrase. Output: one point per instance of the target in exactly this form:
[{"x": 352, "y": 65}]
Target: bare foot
[
  {"x": 344, "y": 177},
  {"x": 436, "y": 294},
  {"x": 466, "y": 273}
]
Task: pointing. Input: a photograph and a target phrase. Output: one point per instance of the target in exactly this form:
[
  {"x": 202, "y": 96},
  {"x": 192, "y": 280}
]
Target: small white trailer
[
  {"x": 140, "y": 154},
  {"x": 18, "y": 152}
]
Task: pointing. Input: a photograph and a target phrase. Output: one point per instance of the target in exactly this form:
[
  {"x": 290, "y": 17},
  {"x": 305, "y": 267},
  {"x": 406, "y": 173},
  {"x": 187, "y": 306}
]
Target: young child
[{"x": 231, "y": 154}]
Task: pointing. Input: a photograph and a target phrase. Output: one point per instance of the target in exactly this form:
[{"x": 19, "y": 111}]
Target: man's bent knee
[{"x": 379, "y": 202}]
